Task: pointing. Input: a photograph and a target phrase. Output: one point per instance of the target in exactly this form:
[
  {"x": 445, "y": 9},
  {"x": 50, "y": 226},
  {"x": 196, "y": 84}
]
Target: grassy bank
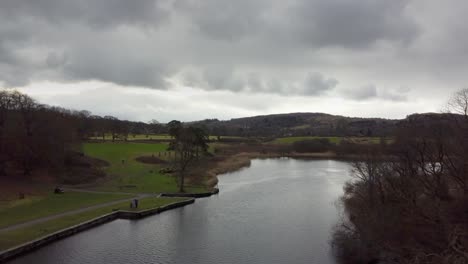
[
  {"x": 30, "y": 208},
  {"x": 16, "y": 237},
  {"x": 127, "y": 174}
]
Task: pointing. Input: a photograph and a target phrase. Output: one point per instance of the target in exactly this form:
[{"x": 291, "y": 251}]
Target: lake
[{"x": 275, "y": 211}]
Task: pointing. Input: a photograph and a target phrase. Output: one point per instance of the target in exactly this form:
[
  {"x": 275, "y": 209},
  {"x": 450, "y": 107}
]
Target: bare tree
[
  {"x": 5, "y": 105},
  {"x": 458, "y": 103}
]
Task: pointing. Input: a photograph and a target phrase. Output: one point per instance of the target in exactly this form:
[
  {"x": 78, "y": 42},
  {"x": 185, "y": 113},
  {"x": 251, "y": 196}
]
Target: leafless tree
[{"x": 458, "y": 103}]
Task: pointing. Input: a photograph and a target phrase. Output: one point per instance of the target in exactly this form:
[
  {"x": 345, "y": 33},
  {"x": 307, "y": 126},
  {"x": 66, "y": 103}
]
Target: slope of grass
[
  {"x": 31, "y": 208},
  {"x": 16, "y": 237},
  {"x": 129, "y": 175}
]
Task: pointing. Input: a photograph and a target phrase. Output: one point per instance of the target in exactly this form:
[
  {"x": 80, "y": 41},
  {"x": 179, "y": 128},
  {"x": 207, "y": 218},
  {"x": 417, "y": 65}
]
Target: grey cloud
[
  {"x": 113, "y": 65},
  {"x": 56, "y": 60},
  {"x": 15, "y": 69},
  {"x": 343, "y": 23},
  {"x": 316, "y": 84},
  {"x": 368, "y": 92},
  {"x": 362, "y": 93},
  {"x": 350, "y": 24},
  {"x": 397, "y": 95},
  {"x": 223, "y": 19},
  {"x": 215, "y": 78},
  {"x": 102, "y": 13}
]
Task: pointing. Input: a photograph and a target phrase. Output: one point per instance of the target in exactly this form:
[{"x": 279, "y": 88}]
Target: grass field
[
  {"x": 139, "y": 137},
  {"x": 16, "y": 237},
  {"x": 334, "y": 140},
  {"x": 131, "y": 175},
  {"x": 164, "y": 137},
  {"x": 32, "y": 208}
]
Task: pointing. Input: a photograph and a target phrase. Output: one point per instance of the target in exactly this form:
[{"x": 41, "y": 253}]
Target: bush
[{"x": 312, "y": 145}]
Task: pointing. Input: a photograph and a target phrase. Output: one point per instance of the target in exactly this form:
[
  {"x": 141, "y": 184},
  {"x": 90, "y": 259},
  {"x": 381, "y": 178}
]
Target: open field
[
  {"x": 16, "y": 237},
  {"x": 138, "y": 137},
  {"x": 161, "y": 137},
  {"x": 333, "y": 140},
  {"x": 127, "y": 174},
  {"x": 35, "y": 207}
]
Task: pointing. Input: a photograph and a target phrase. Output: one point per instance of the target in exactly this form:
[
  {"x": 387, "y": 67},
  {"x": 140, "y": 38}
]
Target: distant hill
[
  {"x": 300, "y": 124},
  {"x": 319, "y": 124}
]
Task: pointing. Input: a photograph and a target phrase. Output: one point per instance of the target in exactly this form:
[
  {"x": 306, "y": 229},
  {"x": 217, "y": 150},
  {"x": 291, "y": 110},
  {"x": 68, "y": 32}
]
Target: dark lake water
[{"x": 276, "y": 211}]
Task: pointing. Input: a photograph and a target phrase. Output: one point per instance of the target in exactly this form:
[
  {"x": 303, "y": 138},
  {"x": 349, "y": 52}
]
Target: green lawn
[
  {"x": 16, "y": 237},
  {"x": 138, "y": 137},
  {"x": 334, "y": 140},
  {"x": 131, "y": 175},
  {"x": 165, "y": 137},
  {"x": 32, "y": 208}
]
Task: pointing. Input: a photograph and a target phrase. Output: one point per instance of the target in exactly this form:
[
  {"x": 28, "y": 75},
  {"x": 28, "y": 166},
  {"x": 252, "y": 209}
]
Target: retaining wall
[{"x": 193, "y": 195}]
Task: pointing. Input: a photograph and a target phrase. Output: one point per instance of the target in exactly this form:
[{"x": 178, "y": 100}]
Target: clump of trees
[
  {"x": 33, "y": 135},
  {"x": 312, "y": 145},
  {"x": 189, "y": 145},
  {"x": 409, "y": 204}
]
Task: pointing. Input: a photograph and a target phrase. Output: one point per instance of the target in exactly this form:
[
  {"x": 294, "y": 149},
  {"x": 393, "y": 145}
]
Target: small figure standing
[{"x": 58, "y": 190}]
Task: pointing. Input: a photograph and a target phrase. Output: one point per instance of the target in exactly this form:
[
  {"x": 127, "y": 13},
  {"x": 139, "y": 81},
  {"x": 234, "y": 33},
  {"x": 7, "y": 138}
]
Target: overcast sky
[{"x": 196, "y": 59}]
